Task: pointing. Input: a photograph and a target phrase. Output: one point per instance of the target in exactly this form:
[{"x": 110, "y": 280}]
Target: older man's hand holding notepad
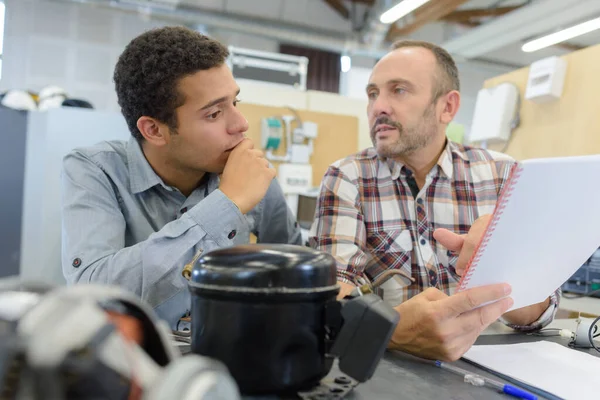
[{"x": 545, "y": 226}]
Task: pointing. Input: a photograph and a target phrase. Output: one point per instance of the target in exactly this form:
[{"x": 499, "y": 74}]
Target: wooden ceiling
[
  {"x": 434, "y": 10},
  {"x": 342, "y": 8},
  {"x": 475, "y": 17},
  {"x": 429, "y": 12}
]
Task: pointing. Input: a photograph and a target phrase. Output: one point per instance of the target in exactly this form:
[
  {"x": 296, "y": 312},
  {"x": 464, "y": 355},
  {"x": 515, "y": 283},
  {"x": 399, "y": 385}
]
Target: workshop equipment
[
  {"x": 269, "y": 312},
  {"x": 95, "y": 342}
]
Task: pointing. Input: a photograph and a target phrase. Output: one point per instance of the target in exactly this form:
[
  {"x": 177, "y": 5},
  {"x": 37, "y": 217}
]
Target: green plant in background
[{"x": 455, "y": 132}]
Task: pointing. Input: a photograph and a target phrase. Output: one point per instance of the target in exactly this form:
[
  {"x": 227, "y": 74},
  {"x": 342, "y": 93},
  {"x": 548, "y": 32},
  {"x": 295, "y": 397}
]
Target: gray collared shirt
[{"x": 122, "y": 225}]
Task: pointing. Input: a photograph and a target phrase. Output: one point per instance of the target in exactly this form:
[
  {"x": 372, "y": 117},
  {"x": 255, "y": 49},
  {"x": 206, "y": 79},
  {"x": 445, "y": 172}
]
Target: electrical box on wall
[
  {"x": 274, "y": 68},
  {"x": 496, "y": 114},
  {"x": 546, "y": 80},
  {"x": 295, "y": 178}
]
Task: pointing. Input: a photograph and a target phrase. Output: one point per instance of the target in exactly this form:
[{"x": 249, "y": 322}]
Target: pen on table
[{"x": 478, "y": 380}]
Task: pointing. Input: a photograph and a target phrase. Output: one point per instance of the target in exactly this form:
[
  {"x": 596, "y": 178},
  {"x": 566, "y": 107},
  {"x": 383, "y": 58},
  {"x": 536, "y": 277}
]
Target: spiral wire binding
[{"x": 500, "y": 207}]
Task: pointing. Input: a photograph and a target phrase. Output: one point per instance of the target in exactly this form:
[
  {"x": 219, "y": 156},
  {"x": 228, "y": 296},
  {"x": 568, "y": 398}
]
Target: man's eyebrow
[
  {"x": 219, "y": 100},
  {"x": 400, "y": 81},
  {"x": 391, "y": 82},
  {"x": 370, "y": 86}
]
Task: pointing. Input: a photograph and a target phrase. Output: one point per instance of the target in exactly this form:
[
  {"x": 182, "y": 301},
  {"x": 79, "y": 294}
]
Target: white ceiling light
[
  {"x": 532, "y": 20},
  {"x": 400, "y": 10},
  {"x": 561, "y": 36},
  {"x": 346, "y": 62}
]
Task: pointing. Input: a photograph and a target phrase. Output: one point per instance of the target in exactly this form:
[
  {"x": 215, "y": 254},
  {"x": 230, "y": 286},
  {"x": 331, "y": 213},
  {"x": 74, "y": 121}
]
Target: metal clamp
[
  {"x": 365, "y": 286},
  {"x": 335, "y": 385},
  {"x": 187, "y": 269}
]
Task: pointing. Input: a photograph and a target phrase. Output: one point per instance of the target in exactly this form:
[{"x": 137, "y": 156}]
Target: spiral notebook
[{"x": 545, "y": 226}]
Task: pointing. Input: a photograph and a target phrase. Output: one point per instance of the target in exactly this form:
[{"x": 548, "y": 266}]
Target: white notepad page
[
  {"x": 564, "y": 372},
  {"x": 549, "y": 227}
]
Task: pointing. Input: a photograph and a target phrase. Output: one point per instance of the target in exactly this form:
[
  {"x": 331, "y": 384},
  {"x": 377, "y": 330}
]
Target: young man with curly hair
[{"x": 188, "y": 181}]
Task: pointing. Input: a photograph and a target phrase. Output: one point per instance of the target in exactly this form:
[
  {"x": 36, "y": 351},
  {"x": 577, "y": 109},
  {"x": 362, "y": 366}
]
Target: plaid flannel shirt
[{"x": 369, "y": 220}]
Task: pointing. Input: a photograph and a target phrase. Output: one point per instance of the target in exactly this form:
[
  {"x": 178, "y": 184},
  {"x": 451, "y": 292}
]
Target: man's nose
[
  {"x": 380, "y": 106},
  {"x": 239, "y": 124}
]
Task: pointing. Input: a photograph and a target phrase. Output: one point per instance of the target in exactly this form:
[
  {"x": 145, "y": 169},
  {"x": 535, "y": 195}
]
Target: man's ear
[
  {"x": 153, "y": 131},
  {"x": 451, "y": 106}
]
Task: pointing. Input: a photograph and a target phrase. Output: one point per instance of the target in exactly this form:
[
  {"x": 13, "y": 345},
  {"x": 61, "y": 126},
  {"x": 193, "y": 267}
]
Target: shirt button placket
[{"x": 433, "y": 279}]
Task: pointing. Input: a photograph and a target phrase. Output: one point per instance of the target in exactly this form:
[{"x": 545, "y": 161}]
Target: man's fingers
[
  {"x": 345, "y": 289},
  {"x": 470, "y": 299},
  {"x": 258, "y": 153},
  {"x": 463, "y": 260},
  {"x": 456, "y": 243},
  {"x": 448, "y": 239},
  {"x": 248, "y": 140},
  {"x": 245, "y": 144},
  {"x": 433, "y": 294},
  {"x": 482, "y": 317},
  {"x": 472, "y": 241}
]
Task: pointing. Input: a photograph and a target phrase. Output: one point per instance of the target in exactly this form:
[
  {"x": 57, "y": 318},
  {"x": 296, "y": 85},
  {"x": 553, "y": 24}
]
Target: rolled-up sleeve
[
  {"x": 339, "y": 227},
  {"x": 277, "y": 223},
  {"x": 94, "y": 230},
  {"x": 546, "y": 318}
]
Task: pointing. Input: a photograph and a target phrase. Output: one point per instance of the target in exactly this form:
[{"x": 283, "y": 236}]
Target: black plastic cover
[
  {"x": 368, "y": 325},
  {"x": 267, "y": 268}
]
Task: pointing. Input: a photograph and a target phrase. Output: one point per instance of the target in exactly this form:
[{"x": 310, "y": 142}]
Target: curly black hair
[{"x": 148, "y": 72}]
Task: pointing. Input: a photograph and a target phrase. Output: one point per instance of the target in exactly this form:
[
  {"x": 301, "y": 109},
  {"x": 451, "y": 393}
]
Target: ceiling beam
[
  {"x": 570, "y": 46},
  {"x": 367, "y": 2},
  {"x": 530, "y": 21},
  {"x": 338, "y": 5},
  {"x": 470, "y": 15},
  {"x": 470, "y": 23},
  {"x": 432, "y": 11}
]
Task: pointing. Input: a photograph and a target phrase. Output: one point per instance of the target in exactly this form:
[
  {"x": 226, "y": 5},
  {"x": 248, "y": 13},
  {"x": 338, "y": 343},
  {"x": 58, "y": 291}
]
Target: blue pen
[{"x": 478, "y": 380}]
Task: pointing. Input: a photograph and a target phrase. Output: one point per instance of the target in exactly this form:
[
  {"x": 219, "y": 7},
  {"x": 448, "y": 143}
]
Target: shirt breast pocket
[{"x": 391, "y": 249}]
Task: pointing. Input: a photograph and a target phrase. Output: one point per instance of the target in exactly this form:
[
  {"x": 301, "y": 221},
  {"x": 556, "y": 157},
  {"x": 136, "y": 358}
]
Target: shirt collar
[
  {"x": 141, "y": 175},
  {"x": 444, "y": 162},
  {"x": 452, "y": 152}
]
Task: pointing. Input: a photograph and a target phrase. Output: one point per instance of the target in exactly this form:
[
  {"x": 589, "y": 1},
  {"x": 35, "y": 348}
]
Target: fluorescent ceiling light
[
  {"x": 346, "y": 62},
  {"x": 401, "y": 9},
  {"x": 561, "y": 36}
]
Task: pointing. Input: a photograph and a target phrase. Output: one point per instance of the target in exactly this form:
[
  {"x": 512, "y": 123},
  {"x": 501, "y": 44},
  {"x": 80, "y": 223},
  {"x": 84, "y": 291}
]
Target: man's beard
[{"x": 409, "y": 140}]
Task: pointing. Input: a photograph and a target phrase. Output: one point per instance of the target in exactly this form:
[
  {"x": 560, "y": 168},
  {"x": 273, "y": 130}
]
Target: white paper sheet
[
  {"x": 557, "y": 369},
  {"x": 548, "y": 228}
]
